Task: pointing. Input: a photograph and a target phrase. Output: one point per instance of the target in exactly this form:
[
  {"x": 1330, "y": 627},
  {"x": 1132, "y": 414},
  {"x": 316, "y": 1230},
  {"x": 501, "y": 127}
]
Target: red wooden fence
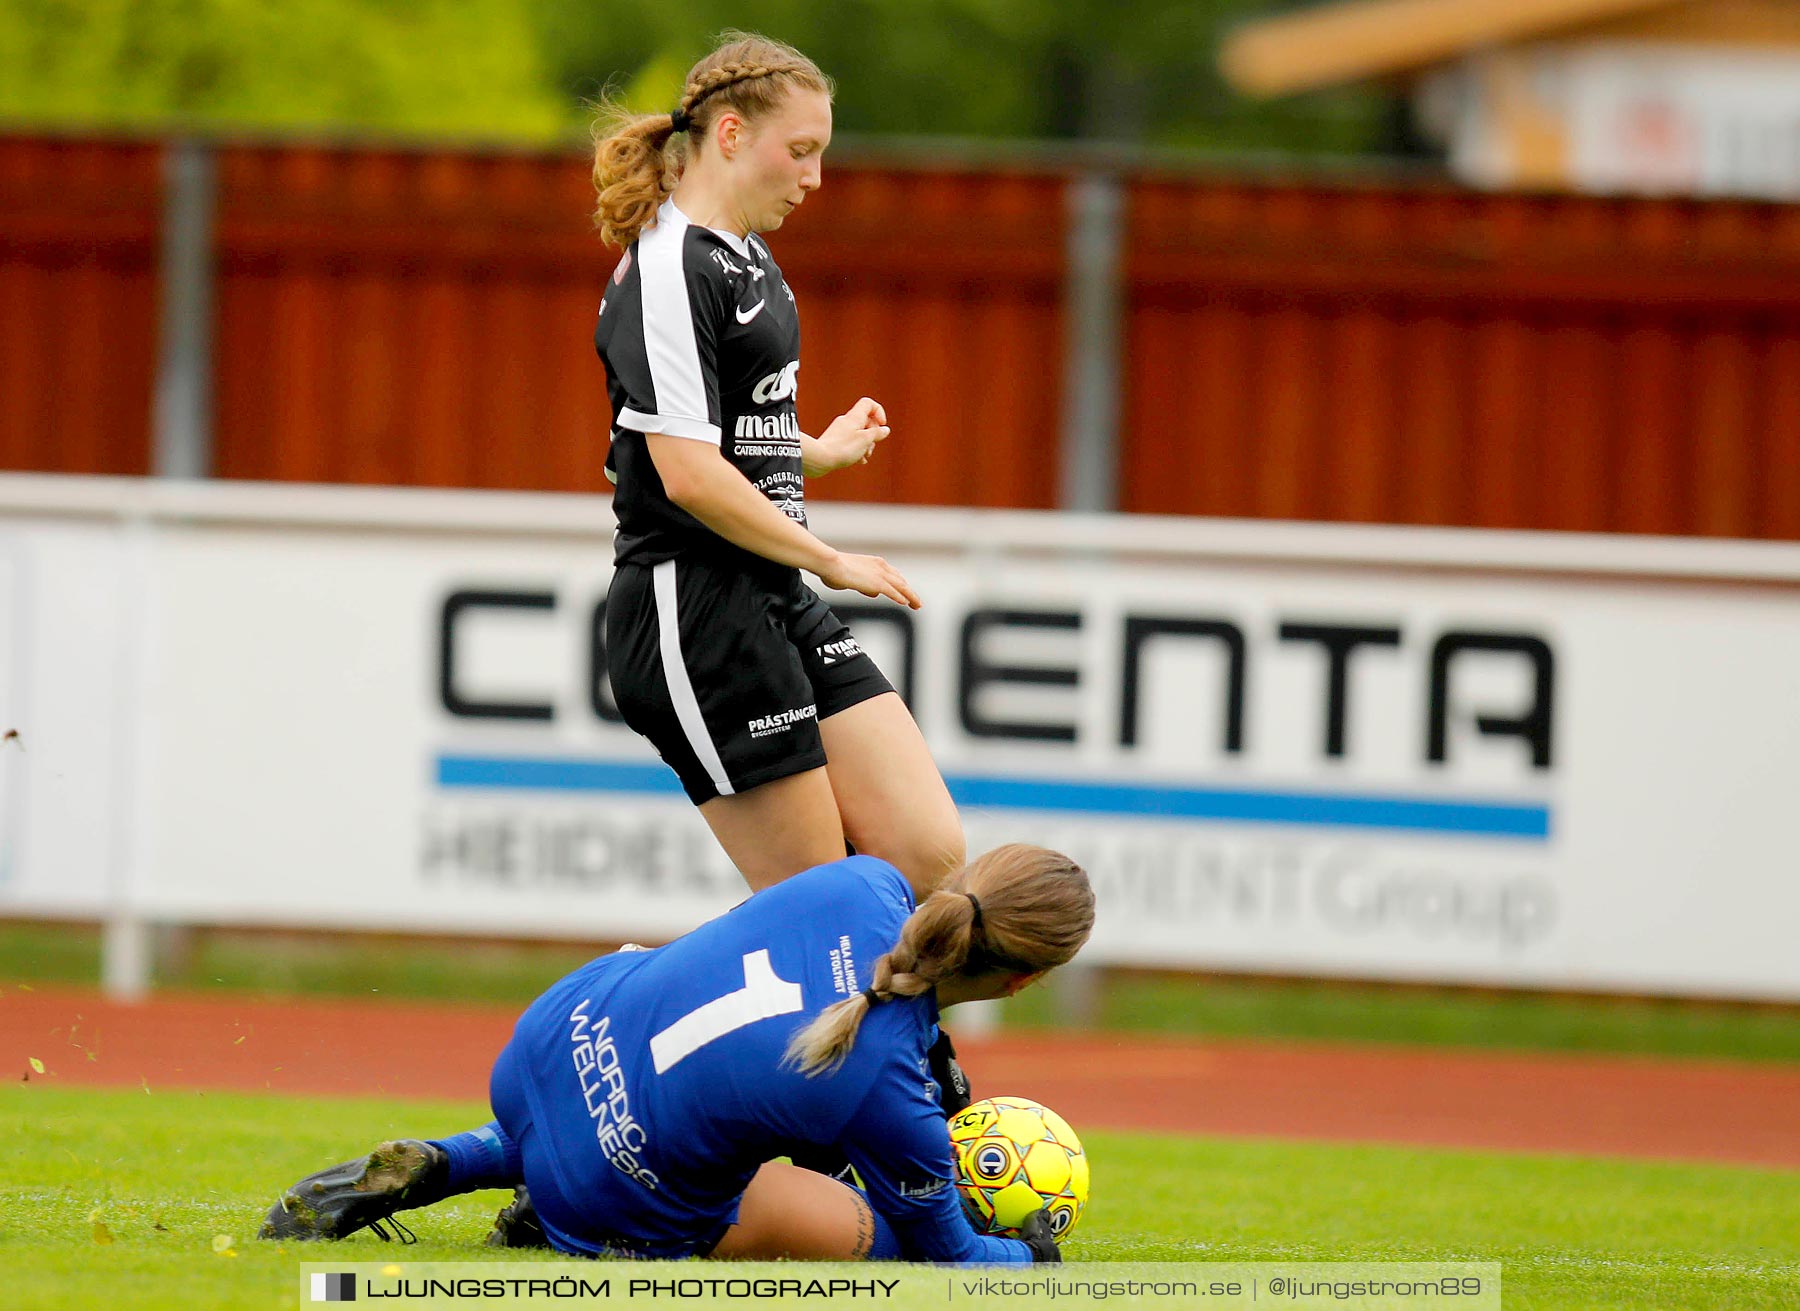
[
  {"x": 404, "y": 318},
  {"x": 80, "y": 225},
  {"x": 1290, "y": 348},
  {"x": 1434, "y": 356}
]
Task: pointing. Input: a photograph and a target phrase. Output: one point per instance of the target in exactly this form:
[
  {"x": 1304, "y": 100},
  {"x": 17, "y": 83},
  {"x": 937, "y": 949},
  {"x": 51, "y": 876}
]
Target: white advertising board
[
  {"x": 62, "y": 714},
  {"x": 1489, "y": 758}
]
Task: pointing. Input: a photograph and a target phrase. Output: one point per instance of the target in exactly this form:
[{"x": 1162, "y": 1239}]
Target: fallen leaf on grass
[
  {"x": 37, "y": 1066},
  {"x": 222, "y": 1244}
]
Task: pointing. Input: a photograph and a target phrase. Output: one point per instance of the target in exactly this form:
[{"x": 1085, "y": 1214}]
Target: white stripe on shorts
[{"x": 681, "y": 690}]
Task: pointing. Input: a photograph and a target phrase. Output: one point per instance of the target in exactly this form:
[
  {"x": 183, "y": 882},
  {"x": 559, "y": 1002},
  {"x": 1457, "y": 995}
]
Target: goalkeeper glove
[{"x": 1036, "y": 1234}]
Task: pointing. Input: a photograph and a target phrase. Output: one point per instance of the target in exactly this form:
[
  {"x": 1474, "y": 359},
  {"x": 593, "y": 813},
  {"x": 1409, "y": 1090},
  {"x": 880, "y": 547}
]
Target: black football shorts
[{"x": 729, "y": 674}]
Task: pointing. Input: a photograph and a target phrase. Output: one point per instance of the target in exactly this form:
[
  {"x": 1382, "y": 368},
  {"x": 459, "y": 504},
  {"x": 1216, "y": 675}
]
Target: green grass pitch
[{"x": 116, "y": 1199}]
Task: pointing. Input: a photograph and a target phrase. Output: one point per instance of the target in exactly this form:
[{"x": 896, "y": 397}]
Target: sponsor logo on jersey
[
  {"x": 930, "y": 1188},
  {"x": 843, "y": 968},
  {"x": 743, "y": 317},
  {"x": 781, "y": 385},
  {"x": 786, "y": 490},
  {"x": 781, "y": 429},
  {"x": 781, "y": 721},
  {"x": 847, "y": 648},
  {"x": 602, "y": 1080}
]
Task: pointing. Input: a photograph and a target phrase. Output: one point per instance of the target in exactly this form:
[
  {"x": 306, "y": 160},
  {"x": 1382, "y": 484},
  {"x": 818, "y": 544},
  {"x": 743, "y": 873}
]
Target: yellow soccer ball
[{"x": 1014, "y": 1156}]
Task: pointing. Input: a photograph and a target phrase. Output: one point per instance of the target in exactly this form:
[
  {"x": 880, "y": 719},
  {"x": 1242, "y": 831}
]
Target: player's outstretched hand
[
  {"x": 872, "y": 576},
  {"x": 1036, "y": 1234},
  {"x": 852, "y": 436}
]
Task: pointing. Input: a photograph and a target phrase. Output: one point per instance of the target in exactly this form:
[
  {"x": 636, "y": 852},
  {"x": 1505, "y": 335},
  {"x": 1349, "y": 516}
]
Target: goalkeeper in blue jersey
[{"x": 644, "y": 1099}]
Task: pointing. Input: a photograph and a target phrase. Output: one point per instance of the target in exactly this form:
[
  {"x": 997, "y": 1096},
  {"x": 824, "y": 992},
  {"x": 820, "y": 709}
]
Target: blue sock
[
  {"x": 482, "y": 1158},
  {"x": 887, "y": 1243}
]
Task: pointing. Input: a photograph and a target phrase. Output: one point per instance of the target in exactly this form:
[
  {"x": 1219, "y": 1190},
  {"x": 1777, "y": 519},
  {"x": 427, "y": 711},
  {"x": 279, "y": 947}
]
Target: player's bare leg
[
  {"x": 890, "y": 796},
  {"x": 777, "y": 829},
  {"x": 794, "y": 1213}
]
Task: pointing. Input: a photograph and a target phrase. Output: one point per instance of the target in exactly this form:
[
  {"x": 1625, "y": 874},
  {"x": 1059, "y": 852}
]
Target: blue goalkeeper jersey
[{"x": 659, "y": 1080}]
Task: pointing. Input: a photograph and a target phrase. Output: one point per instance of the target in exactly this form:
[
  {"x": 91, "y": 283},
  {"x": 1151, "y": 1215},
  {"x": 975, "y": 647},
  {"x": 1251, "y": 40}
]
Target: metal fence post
[
  {"x": 127, "y": 950},
  {"x": 182, "y": 440},
  {"x": 1094, "y": 305}
]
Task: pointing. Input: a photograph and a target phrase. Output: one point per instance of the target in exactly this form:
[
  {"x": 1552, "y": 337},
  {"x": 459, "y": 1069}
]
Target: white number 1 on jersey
[{"x": 762, "y": 997}]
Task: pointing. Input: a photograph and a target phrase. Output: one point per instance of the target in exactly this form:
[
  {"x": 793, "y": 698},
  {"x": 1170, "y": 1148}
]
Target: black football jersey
[{"x": 701, "y": 340}]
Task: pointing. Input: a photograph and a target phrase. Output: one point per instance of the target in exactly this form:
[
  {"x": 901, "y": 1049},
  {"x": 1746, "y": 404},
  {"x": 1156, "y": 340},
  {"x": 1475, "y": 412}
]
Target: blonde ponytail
[{"x": 632, "y": 172}]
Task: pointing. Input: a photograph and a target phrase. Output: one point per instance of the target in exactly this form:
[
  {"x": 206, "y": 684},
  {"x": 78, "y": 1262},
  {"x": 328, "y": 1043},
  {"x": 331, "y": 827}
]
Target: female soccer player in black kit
[{"x": 782, "y": 730}]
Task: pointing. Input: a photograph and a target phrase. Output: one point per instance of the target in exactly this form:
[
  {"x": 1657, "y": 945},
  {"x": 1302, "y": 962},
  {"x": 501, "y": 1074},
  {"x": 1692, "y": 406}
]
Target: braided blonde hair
[
  {"x": 1036, "y": 910},
  {"x": 639, "y": 157}
]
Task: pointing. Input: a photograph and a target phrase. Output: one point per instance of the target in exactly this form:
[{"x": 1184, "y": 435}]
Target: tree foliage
[
  {"x": 1136, "y": 71},
  {"x": 1139, "y": 71},
  {"x": 466, "y": 67}
]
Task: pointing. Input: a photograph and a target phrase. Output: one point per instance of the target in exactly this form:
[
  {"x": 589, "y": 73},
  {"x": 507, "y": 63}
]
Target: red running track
[{"x": 1607, "y": 1105}]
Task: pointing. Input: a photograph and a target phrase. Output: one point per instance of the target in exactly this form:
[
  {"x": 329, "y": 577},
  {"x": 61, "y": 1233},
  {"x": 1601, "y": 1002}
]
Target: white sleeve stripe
[
  {"x": 670, "y": 347},
  {"x": 681, "y": 690},
  {"x": 673, "y": 425}
]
